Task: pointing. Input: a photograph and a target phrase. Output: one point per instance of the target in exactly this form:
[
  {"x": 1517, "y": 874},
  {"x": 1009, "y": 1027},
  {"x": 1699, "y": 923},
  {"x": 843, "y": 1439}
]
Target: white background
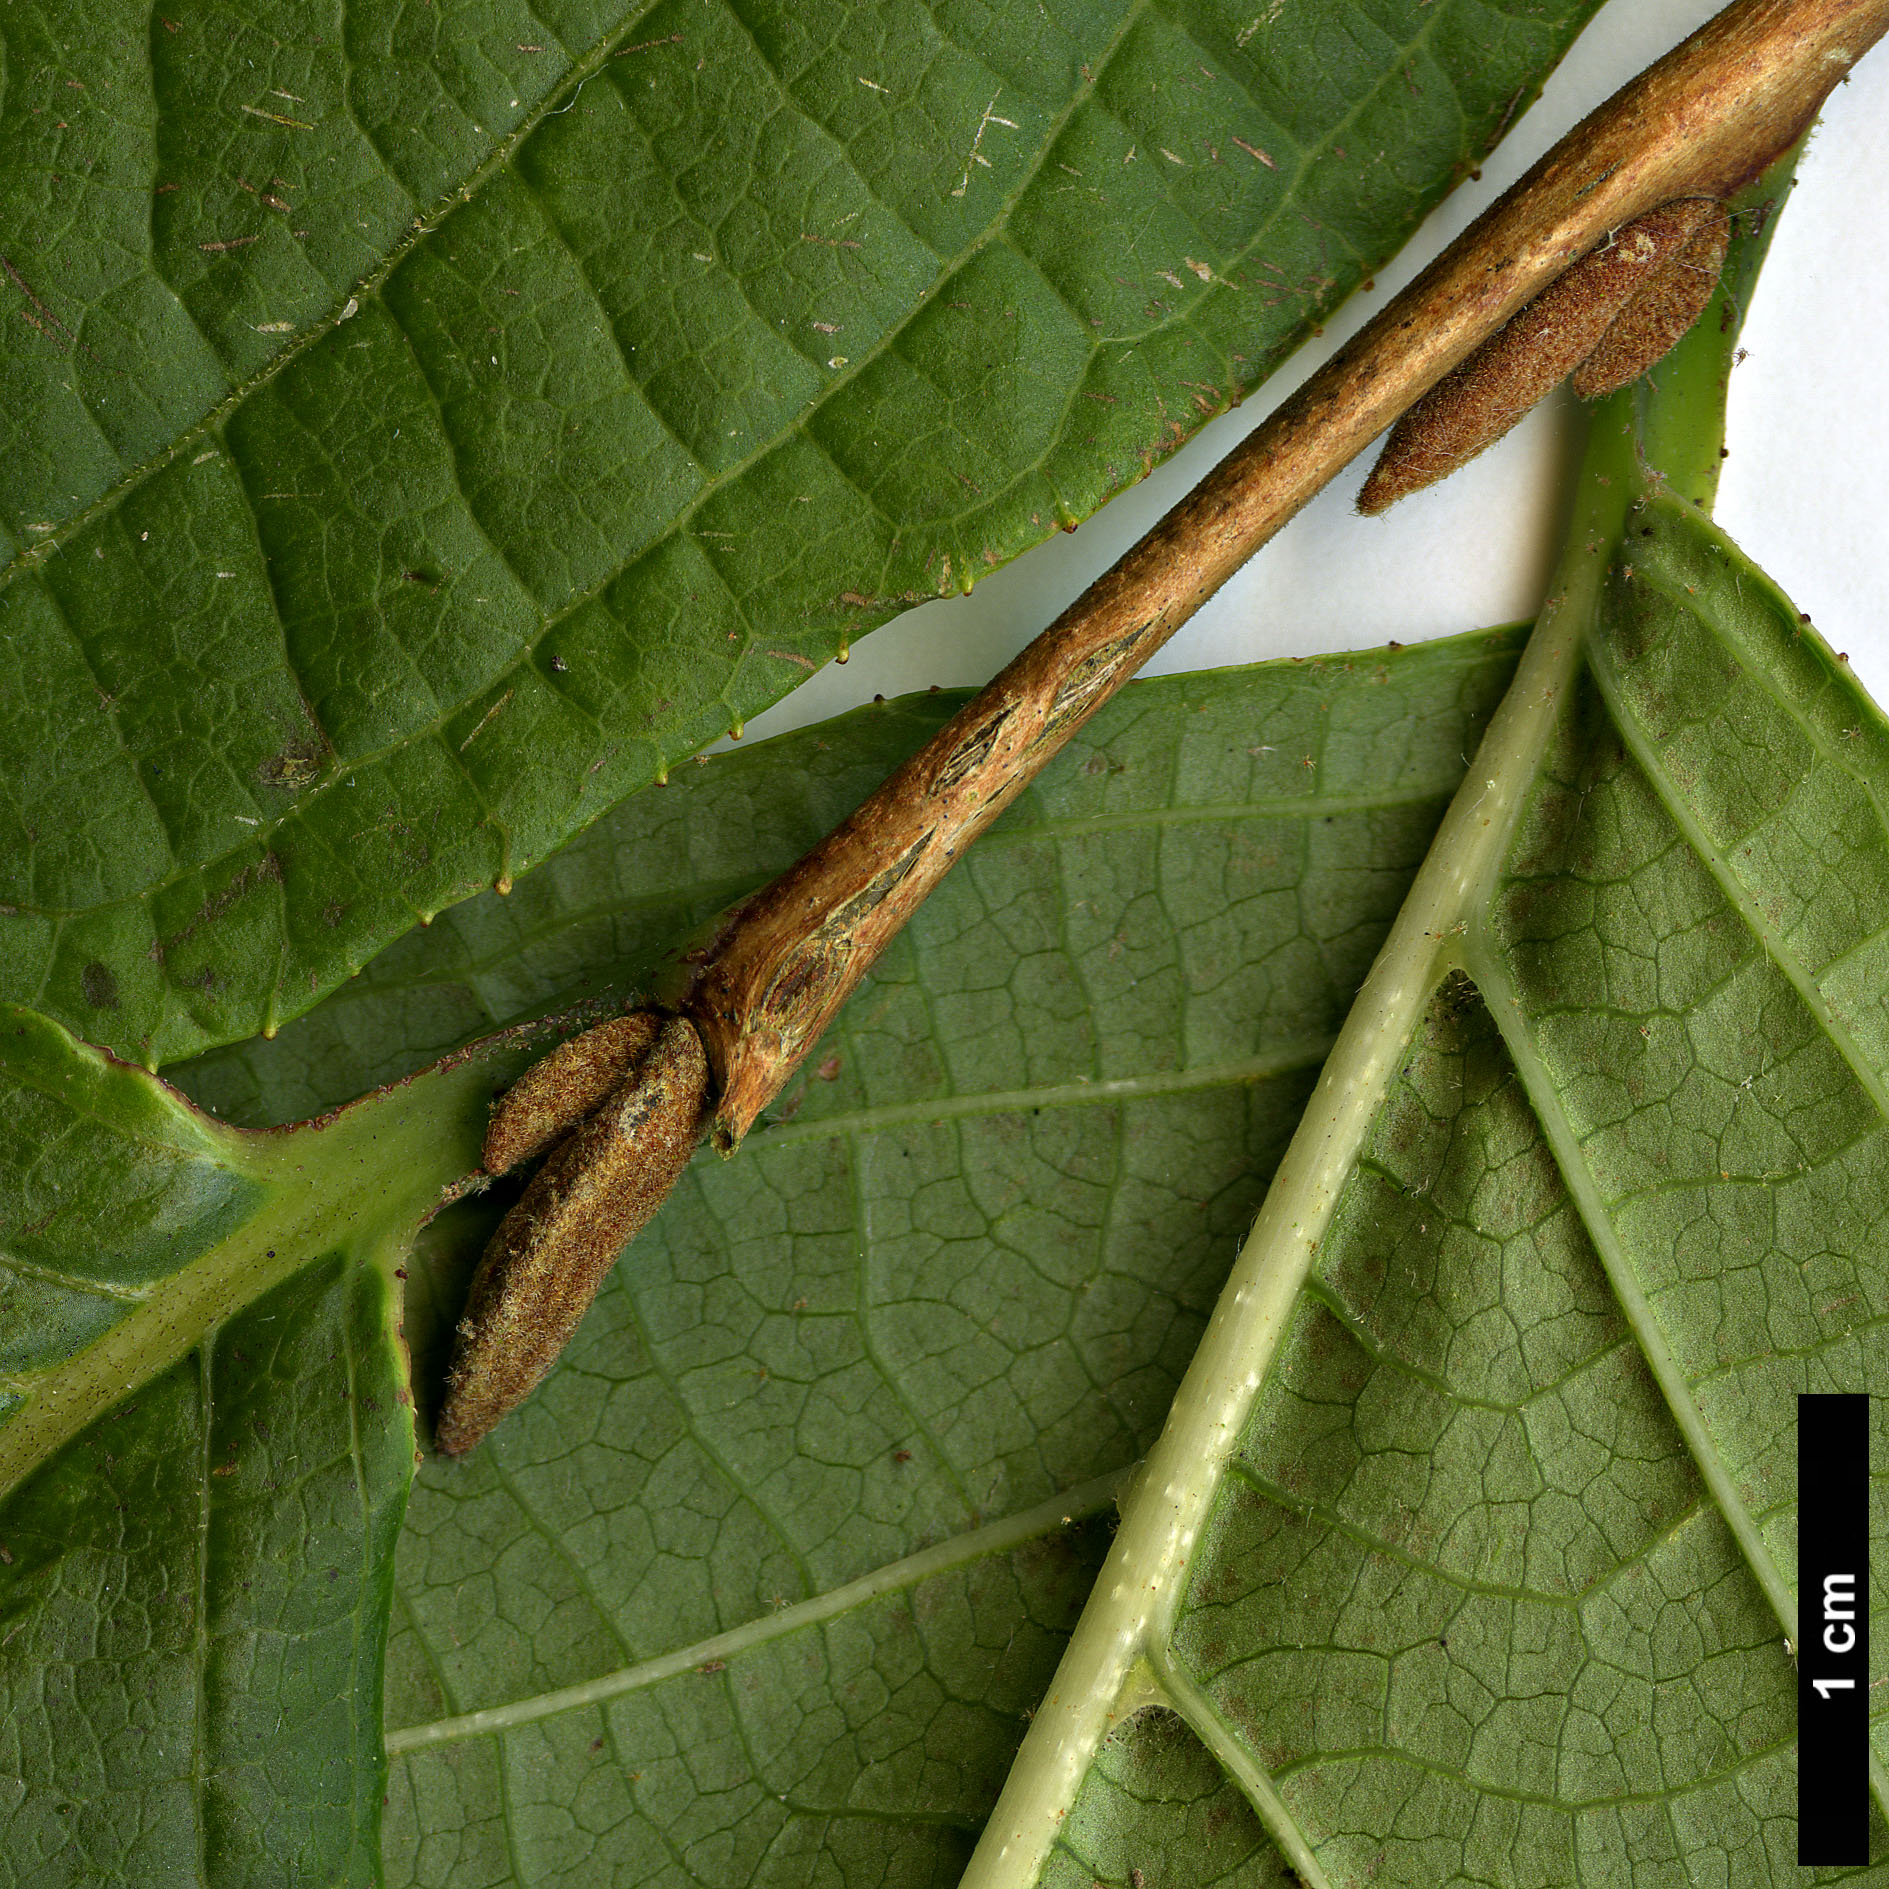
[{"x": 1803, "y": 491}]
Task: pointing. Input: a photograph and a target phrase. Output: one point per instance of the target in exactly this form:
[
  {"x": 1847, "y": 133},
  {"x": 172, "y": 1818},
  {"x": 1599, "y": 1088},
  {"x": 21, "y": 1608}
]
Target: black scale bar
[{"x": 1833, "y": 1627}]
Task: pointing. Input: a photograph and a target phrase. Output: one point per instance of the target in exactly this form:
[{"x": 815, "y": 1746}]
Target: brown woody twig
[{"x": 764, "y": 987}]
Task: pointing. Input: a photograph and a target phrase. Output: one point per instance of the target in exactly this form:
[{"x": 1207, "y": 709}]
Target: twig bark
[
  {"x": 1703, "y": 121},
  {"x": 764, "y": 986}
]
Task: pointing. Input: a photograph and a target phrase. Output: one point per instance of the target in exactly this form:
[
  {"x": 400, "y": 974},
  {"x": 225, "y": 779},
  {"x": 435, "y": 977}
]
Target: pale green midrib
[
  {"x": 1305, "y": 1052},
  {"x": 1230, "y": 1752},
  {"x": 575, "y": 76},
  {"x": 69, "y": 1396},
  {"x": 1491, "y": 977},
  {"x": 1138, "y": 1594},
  {"x": 976, "y": 1544},
  {"x": 1802, "y": 980},
  {"x": 550, "y": 619}
]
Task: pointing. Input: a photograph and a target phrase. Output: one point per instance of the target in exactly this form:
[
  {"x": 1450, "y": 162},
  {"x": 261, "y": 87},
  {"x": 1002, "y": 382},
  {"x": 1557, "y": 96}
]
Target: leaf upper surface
[{"x": 421, "y": 429}]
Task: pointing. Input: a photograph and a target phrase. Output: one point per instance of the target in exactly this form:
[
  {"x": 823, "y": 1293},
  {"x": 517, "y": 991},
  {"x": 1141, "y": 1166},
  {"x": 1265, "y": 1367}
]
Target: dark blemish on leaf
[
  {"x": 266, "y": 869},
  {"x": 295, "y": 764},
  {"x": 99, "y": 985},
  {"x": 712, "y": 1666}
]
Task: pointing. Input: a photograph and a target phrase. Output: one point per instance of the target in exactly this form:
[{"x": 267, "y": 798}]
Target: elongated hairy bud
[
  {"x": 1659, "y": 317},
  {"x": 551, "y": 1253},
  {"x": 1476, "y": 404},
  {"x": 565, "y": 1088}
]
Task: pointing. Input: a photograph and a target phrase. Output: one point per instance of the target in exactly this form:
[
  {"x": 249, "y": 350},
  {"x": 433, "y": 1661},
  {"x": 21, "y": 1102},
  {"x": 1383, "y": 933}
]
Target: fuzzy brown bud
[
  {"x": 1659, "y": 317},
  {"x": 565, "y": 1088},
  {"x": 551, "y": 1253},
  {"x": 1472, "y": 407}
]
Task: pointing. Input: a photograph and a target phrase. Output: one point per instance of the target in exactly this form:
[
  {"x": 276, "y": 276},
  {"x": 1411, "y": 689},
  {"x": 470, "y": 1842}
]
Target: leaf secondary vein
[
  {"x": 974, "y": 1544},
  {"x": 1492, "y": 977},
  {"x": 1256, "y": 1783},
  {"x": 1739, "y": 897},
  {"x": 1305, "y": 1052}
]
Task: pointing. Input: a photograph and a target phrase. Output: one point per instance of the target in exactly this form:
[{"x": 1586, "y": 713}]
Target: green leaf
[
  {"x": 1468, "y": 1550},
  {"x": 206, "y": 1433},
  {"x": 827, "y": 1425},
  {"x": 419, "y": 429}
]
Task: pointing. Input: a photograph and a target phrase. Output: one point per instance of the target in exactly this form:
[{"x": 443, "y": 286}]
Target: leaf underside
[
  {"x": 954, "y": 1278},
  {"x": 419, "y": 428},
  {"x": 194, "y": 1608},
  {"x": 1498, "y": 1582},
  {"x": 206, "y": 1440},
  {"x": 765, "y": 1581}
]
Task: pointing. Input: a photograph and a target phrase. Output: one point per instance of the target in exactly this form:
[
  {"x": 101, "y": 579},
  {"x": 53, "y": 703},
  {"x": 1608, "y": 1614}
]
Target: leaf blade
[
  {"x": 458, "y": 567},
  {"x": 1616, "y": 970},
  {"x": 1189, "y": 793}
]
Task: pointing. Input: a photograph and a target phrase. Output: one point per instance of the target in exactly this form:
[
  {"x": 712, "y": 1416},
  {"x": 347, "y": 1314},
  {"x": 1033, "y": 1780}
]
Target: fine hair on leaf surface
[{"x": 595, "y": 386}]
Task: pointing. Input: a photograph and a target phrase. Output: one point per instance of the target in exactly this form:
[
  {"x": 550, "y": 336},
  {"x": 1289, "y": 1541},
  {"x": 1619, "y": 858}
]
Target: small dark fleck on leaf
[{"x": 99, "y": 985}]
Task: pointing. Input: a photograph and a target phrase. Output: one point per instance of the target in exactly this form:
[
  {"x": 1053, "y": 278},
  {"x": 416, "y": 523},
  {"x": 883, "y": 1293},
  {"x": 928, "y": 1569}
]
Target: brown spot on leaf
[
  {"x": 295, "y": 764},
  {"x": 264, "y": 871},
  {"x": 99, "y": 985}
]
